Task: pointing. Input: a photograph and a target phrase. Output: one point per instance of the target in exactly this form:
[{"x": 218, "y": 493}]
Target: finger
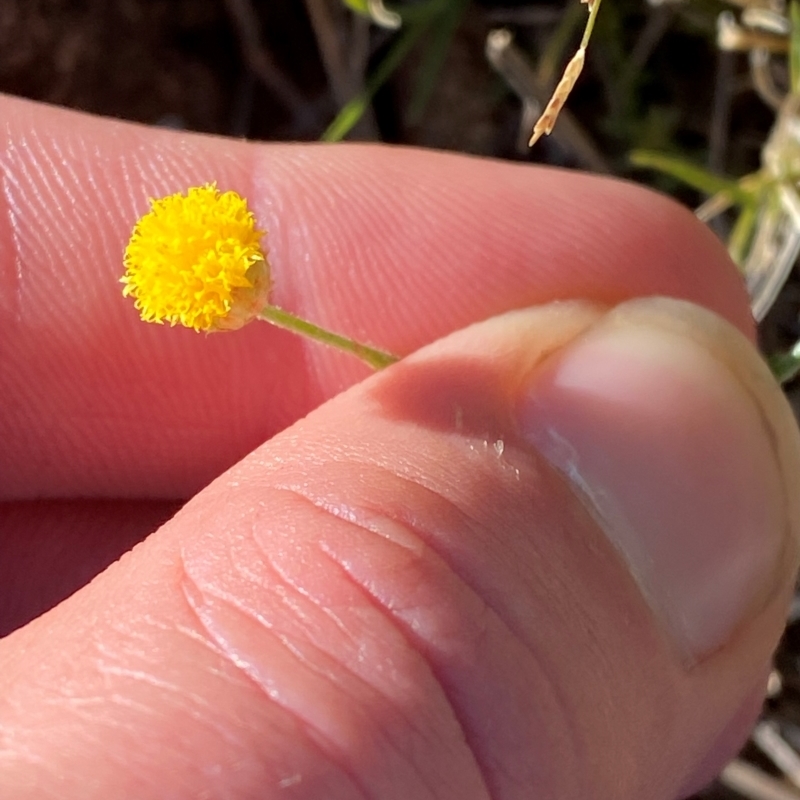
[
  {"x": 52, "y": 548},
  {"x": 390, "y": 246},
  {"x": 547, "y": 555}
]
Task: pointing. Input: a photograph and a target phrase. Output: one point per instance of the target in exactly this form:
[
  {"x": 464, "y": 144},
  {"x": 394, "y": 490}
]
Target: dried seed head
[{"x": 544, "y": 125}]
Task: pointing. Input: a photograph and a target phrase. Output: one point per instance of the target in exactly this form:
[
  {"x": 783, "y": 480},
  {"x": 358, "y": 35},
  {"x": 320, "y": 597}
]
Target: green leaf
[
  {"x": 691, "y": 174},
  {"x": 359, "y": 6},
  {"x": 794, "y": 46},
  {"x": 347, "y": 119},
  {"x": 741, "y": 235},
  {"x": 349, "y": 116}
]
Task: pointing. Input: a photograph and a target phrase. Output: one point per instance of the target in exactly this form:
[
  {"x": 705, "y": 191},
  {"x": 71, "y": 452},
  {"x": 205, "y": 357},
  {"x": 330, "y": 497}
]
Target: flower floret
[{"x": 196, "y": 260}]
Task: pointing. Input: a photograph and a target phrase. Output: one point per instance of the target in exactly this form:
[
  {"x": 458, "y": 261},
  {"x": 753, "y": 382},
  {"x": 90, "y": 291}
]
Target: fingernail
[{"x": 676, "y": 438}]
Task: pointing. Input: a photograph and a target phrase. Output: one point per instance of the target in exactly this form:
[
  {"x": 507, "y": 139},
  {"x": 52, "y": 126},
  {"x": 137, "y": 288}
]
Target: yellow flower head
[{"x": 196, "y": 260}]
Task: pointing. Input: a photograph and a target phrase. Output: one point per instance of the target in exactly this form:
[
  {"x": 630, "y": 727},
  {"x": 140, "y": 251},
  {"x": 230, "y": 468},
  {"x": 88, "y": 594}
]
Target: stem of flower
[{"x": 377, "y": 359}]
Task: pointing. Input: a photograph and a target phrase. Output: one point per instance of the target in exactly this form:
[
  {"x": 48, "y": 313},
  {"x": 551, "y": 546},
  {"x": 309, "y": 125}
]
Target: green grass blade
[
  {"x": 691, "y": 174},
  {"x": 742, "y": 233},
  {"x": 359, "y": 6},
  {"x": 349, "y": 116},
  {"x": 794, "y": 46}
]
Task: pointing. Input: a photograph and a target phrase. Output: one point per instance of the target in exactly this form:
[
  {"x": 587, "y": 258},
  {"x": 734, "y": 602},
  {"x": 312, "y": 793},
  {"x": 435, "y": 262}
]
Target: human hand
[{"x": 399, "y": 595}]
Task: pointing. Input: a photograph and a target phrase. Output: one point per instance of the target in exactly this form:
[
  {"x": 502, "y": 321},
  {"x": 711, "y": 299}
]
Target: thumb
[{"x": 547, "y": 556}]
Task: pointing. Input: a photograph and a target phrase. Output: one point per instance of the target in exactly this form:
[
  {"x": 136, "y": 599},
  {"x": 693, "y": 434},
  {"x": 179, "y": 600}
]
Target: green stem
[
  {"x": 377, "y": 359},
  {"x": 587, "y": 33}
]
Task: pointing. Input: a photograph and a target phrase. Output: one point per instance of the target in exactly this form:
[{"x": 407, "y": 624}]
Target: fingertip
[{"x": 393, "y": 247}]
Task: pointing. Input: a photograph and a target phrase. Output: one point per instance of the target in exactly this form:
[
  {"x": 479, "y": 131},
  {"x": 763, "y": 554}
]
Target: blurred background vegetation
[{"x": 283, "y": 69}]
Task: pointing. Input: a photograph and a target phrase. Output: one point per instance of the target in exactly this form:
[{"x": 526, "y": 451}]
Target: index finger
[{"x": 392, "y": 247}]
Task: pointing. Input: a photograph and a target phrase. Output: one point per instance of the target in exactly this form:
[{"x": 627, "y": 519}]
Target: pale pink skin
[{"x": 430, "y": 661}]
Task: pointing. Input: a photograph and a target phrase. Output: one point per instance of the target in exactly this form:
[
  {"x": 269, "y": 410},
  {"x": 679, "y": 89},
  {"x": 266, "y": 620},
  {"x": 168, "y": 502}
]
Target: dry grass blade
[
  {"x": 544, "y": 125},
  {"x": 752, "y": 783},
  {"x": 510, "y": 62}
]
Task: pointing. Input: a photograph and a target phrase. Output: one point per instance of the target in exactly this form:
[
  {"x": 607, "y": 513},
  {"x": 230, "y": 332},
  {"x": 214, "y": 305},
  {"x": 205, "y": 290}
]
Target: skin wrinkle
[
  {"x": 578, "y": 745},
  {"x": 337, "y": 621},
  {"x": 206, "y": 642},
  {"x": 406, "y": 632},
  {"x": 416, "y": 478},
  {"x": 97, "y": 711},
  {"x": 147, "y": 678},
  {"x": 311, "y": 740},
  {"x": 11, "y": 751},
  {"x": 388, "y": 613},
  {"x": 215, "y": 591},
  {"x": 294, "y": 607},
  {"x": 312, "y": 665},
  {"x": 486, "y": 769},
  {"x": 467, "y": 521},
  {"x": 199, "y": 709},
  {"x": 228, "y": 732},
  {"x": 551, "y": 676},
  {"x": 198, "y": 705}
]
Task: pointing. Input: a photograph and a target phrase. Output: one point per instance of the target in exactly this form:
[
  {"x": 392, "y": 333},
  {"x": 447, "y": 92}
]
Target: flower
[{"x": 196, "y": 260}]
